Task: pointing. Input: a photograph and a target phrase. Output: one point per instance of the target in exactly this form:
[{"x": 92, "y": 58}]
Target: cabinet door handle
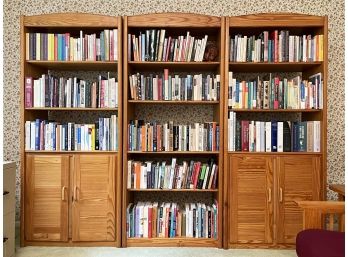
[
  {"x": 280, "y": 194},
  {"x": 6, "y": 192},
  {"x": 5, "y": 239},
  {"x": 269, "y": 195},
  {"x": 63, "y": 193},
  {"x": 74, "y": 196}
]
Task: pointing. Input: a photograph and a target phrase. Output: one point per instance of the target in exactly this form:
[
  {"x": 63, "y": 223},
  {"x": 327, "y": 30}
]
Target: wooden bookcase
[
  {"x": 51, "y": 214},
  {"x": 260, "y": 187},
  {"x": 175, "y": 24}
]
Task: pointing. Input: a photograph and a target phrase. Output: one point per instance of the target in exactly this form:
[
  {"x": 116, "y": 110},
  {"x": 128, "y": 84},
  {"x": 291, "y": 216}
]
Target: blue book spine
[
  {"x": 302, "y": 88},
  {"x": 274, "y": 136},
  {"x": 172, "y": 233},
  {"x": 137, "y": 221},
  {"x": 102, "y": 50},
  {"x": 37, "y": 134},
  {"x": 143, "y": 47},
  {"x": 217, "y": 138},
  {"x": 294, "y": 137},
  {"x": 54, "y": 125},
  {"x": 237, "y": 92},
  {"x": 63, "y": 47},
  {"x": 58, "y": 47},
  {"x": 79, "y": 136}
]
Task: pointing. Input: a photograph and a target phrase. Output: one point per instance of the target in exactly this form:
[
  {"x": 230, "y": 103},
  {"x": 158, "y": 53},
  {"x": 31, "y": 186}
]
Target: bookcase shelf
[
  {"x": 272, "y": 67},
  {"x": 272, "y": 174},
  {"x": 103, "y": 168},
  {"x": 76, "y": 65},
  {"x": 172, "y": 102},
  {"x": 70, "y": 109},
  {"x": 175, "y": 24}
]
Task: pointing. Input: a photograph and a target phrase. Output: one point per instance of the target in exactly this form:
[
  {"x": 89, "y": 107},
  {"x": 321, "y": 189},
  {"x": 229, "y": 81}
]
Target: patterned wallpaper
[{"x": 333, "y": 8}]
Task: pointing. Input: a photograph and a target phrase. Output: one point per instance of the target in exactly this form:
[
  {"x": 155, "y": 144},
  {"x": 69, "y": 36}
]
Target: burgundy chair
[{"x": 318, "y": 238}]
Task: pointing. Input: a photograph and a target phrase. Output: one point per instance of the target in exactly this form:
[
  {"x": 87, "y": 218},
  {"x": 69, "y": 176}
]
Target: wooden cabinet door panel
[
  {"x": 251, "y": 189},
  {"x": 298, "y": 179},
  {"x": 94, "y": 198},
  {"x": 46, "y": 198}
]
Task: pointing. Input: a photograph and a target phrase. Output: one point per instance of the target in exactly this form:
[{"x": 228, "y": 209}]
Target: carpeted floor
[{"x": 31, "y": 251}]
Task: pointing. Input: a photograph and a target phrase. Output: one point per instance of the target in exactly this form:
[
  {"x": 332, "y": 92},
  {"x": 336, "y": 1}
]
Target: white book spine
[
  {"x": 268, "y": 136},
  {"x": 280, "y": 137}
]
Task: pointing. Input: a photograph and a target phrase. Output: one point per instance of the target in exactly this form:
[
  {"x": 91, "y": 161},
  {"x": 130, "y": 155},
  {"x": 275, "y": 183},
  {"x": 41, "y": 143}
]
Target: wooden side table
[{"x": 338, "y": 188}]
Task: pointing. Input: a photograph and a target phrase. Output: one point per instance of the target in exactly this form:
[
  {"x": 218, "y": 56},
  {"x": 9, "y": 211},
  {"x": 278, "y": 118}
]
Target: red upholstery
[{"x": 320, "y": 243}]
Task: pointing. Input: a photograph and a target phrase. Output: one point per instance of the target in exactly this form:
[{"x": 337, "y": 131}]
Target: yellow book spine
[
  {"x": 321, "y": 42},
  {"x": 38, "y": 46},
  {"x": 27, "y": 46}
]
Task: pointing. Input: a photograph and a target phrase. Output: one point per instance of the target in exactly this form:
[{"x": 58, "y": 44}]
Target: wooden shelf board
[
  {"x": 175, "y": 152},
  {"x": 173, "y": 190},
  {"x": 172, "y": 102},
  {"x": 69, "y": 109},
  {"x": 177, "y": 241},
  {"x": 178, "y": 66},
  {"x": 276, "y": 153},
  {"x": 69, "y": 152},
  {"x": 271, "y": 67},
  {"x": 76, "y": 65},
  {"x": 275, "y": 110}
]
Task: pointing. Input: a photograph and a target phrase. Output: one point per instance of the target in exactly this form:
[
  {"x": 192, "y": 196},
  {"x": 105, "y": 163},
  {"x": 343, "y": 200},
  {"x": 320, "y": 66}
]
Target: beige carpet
[{"x": 31, "y": 251}]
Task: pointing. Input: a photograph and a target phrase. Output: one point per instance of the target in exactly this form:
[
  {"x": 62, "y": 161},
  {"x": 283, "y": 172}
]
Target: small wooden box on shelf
[
  {"x": 260, "y": 187},
  {"x": 70, "y": 197},
  {"x": 174, "y": 24}
]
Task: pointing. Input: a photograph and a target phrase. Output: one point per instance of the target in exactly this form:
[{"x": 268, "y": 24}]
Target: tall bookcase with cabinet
[
  {"x": 70, "y": 189},
  {"x": 262, "y": 185},
  {"x": 144, "y": 113}
]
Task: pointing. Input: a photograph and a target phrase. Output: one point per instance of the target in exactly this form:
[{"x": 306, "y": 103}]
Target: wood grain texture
[
  {"x": 172, "y": 102},
  {"x": 70, "y": 109},
  {"x": 277, "y": 20},
  {"x": 172, "y": 242},
  {"x": 174, "y": 20},
  {"x": 75, "y": 65},
  {"x": 339, "y": 189},
  {"x": 67, "y": 20},
  {"x": 251, "y": 203},
  {"x": 46, "y": 212},
  {"x": 271, "y": 67},
  {"x": 94, "y": 198},
  {"x": 298, "y": 179}
]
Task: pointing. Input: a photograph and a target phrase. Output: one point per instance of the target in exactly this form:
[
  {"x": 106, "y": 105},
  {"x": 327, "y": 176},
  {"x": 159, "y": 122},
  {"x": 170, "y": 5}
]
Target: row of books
[
  {"x": 276, "y": 46},
  {"x": 51, "y": 91},
  {"x": 153, "y": 45},
  {"x": 64, "y": 47},
  {"x": 156, "y": 137},
  {"x": 53, "y": 136},
  {"x": 195, "y": 87},
  {"x": 168, "y": 220},
  {"x": 276, "y": 93},
  {"x": 273, "y": 136},
  {"x": 156, "y": 175}
]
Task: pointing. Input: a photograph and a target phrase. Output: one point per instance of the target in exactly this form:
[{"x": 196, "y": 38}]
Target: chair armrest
[{"x": 313, "y": 212}]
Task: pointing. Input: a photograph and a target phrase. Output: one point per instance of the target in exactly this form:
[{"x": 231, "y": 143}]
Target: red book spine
[
  {"x": 55, "y": 47},
  {"x": 197, "y": 170},
  {"x": 245, "y": 135},
  {"x": 276, "y": 47},
  {"x": 42, "y": 136},
  {"x": 111, "y": 45},
  {"x": 159, "y": 89},
  {"x": 276, "y": 93},
  {"x": 214, "y": 184},
  {"x": 28, "y": 92},
  {"x": 102, "y": 89}
]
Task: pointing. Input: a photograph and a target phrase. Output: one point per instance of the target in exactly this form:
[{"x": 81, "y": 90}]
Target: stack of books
[
  {"x": 64, "y": 47},
  {"x": 153, "y": 45},
  {"x": 156, "y": 175},
  {"x": 168, "y": 220},
  {"x": 50, "y": 91},
  {"x": 156, "y": 137},
  {"x": 276, "y": 93},
  {"x": 53, "y": 136},
  {"x": 276, "y": 46},
  {"x": 273, "y": 136},
  {"x": 191, "y": 87}
]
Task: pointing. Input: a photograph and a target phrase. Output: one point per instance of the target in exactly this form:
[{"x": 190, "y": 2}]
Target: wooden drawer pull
[
  {"x": 6, "y": 192},
  {"x": 63, "y": 193},
  {"x": 269, "y": 195},
  {"x": 280, "y": 194}
]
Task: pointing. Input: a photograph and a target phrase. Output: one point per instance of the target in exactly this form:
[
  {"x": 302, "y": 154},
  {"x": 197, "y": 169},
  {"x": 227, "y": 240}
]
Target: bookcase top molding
[
  {"x": 174, "y": 20},
  {"x": 72, "y": 20},
  {"x": 277, "y": 20}
]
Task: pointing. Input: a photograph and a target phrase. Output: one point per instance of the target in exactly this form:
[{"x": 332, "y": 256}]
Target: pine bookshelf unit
[
  {"x": 260, "y": 187},
  {"x": 71, "y": 198},
  {"x": 175, "y": 24}
]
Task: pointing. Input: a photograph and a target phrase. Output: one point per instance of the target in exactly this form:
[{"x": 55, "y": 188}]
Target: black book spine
[
  {"x": 171, "y": 56},
  {"x": 194, "y": 222},
  {"x": 169, "y": 223},
  {"x": 287, "y": 45},
  {"x": 209, "y": 224},
  {"x": 42, "y": 50},
  {"x": 238, "y": 136},
  {"x": 148, "y": 181},
  {"x": 147, "y": 46},
  {"x": 153, "y": 173},
  {"x": 152, "y": 45},
  {"x": 66, "y": 136},
  {"x": 72, "y": 137},
  {"x": 47, "y": 91},
  {"x": 34, "y": 46},
  {"x": 157, "y": 44},
  {"x": 154, "y": 136}
]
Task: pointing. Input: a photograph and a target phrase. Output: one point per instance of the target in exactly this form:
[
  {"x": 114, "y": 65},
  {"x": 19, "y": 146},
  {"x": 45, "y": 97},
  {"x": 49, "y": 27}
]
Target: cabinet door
[
  {"x": 250, "y": 200},
  {"x": 93, "y": 211},
  {"x": 46, "y": 197},
  {"x": 298, "y": 179}
]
